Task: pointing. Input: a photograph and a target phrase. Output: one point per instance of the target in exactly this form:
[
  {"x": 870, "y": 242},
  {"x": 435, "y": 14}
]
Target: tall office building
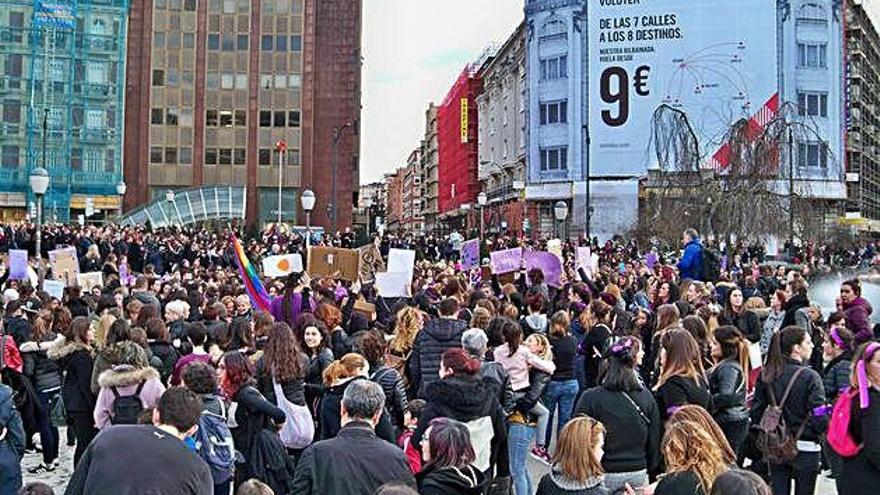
[{"x": 214, "y": 86}]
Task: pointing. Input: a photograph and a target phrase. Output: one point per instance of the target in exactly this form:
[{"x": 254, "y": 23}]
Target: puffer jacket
[
  {"x": 858, "y": 319},
  {"x": 497, "y": 372},
  {"x": 836, "y": 376},
  {"x": 557, "y": 483},
  {"x": 471, "y": 400},
  {"x": 395, "y": 394},
  {"x": 728, "y": 387},
  {"x": 432, "y": 341},
  {"x": 42, "y": 371}
]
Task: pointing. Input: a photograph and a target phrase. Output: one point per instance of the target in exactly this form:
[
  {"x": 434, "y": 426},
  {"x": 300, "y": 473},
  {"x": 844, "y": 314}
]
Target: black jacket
[
  {"x": 19, "y": 328},
  {"x": 356, "y": 462},
  {"x": 448, "y": 481},
  {"x": 728, "y": 386},
  {"x": 593, "y": 347},
  {"x": 268, "y": 462},
  {"x": 329, "y": 414},
  {"x": 497, "y": 372},
  {"x": 863, "y": 470},
  {"x": 75, "y": 360},
  {"x": 395, "y": 394},
  {"x": 433, "y": 340},
  {"x": 42, "y": 371},
  {"x": 683, "y": 483},
  {"x": 293, "y": 389},
  {"x": 564, "y": 354},
  {"x": 313, "y": 383},
  {"x": 746, "y": 321},
  {"x": 807, "y": 393},
  {"x": 796, "y": 302},
  {"x": 679, "y": 391},
  {"x": 167, "y": 354},
  {"x": 632, "y": 442},
  {"x": 253, "y": 415},
  {"x": 836, "y": 376}
]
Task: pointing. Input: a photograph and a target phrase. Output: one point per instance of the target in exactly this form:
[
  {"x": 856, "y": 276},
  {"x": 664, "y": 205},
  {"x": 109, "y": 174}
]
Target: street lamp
[
  {"x": 307, "y": 199},
  {"x": 481, "y": 200},
  {"x": 39, "y": 180},
  {"x": 560, "y": 210},
  {"x": 120, "y": 190}
]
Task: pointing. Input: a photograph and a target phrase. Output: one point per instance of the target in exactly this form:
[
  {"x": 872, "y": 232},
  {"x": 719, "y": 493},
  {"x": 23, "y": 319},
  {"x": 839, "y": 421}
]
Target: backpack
[
  {"x": 127, "y": 409},
  {"x": 711, "y": 265},
  {"x": 215, "y": 446},
  {"x": 774, "y": 439},
  {"x": 839, "y": 437},
  {"x": 298, "y": 430}
]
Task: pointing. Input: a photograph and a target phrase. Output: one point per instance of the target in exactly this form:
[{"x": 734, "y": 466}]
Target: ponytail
[
  {"x": 458, "y": 360},
  {"x": 346, "y": 367},
  {"x": 780, "y": 348}
]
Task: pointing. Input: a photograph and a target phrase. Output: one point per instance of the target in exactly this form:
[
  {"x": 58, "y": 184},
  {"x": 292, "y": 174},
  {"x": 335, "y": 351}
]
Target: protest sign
[
  {"x": 548, "y": 263},
  {"x": 401, "y": 261},
  {"x": 282, "y": 265},
  {"x": 333, "y": 262},
  {"x": 583, "y": 259},
  {"x": 90, "y": 280},
  {"x": 18, "y": 264},
  {"x": 371, "y": 262},
  {"x": 54, "y": 288},
  {"x": 65, "y": 265},
  {"x": 392, "y": 284},
  {"x": 509, "y": 260},
  {"x": 651, "y": 260},
  {"x": 470, "y": 254},
  {"x": 555, "y": 246}
]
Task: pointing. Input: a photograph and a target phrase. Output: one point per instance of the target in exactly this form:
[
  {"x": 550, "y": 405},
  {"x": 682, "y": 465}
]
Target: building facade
[
  {"x": 413, "y": 220},
  {"x": 215, "y": 85},
  {"x": 394, "y": 206},
  {"x": 555, "y": 111},
  {"x": 502, "y": 146},
  {"x": 430, "y": 169},
  {"x": 61, "y": 92}
]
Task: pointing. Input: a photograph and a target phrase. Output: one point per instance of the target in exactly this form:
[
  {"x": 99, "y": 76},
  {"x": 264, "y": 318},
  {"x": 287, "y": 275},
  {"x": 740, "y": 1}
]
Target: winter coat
[
  {"x": 728, "y": 385},
  {"x": 471, "y": 400},
  {"x": 432, "y": 341},
  {"x": 293, "y": 389},
  {"x": 104, "y": 360},
  {"x": 395, "y": 393},
  {"x": 807, "y": 393},
  {"x": 313, "y": 383},
  {"x": 681, "y": 483},
  {"x": 19, "y": 328},
  {"x": 12, "y": 446},
  {"x": 467, "y": 480},
  {"x": 858, "y": 319},
  {"x": 746, "y": 321},
  {"x": 772, "y": 324},
  {"x": 75, "y": 361},
  {"x": 355, "y": 462},
  {"x": 792, "y": 307},
  {"x": 253, "y": 414},
  {"x": 497, "y": 372},
  {"x": 557, "y": 483},
  {"x": 836, "y": 376},
  {"x": 167, "y": 354},
  {"x": 690, "y": 266},
  {"x": 679, "y": 391},
  {"x": 126, "y": 379},
  {"x": 268, "y": 462},
  {"x": 42, "y": 371},
  {"x": 632, "y": 442},
  {"x": 330, "y": 419},
  {"x": 537, "y": 323},
  {"x": 863, "y": 470}
]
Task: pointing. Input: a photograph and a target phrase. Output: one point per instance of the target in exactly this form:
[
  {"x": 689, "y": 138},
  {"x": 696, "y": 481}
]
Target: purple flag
[
  {"x": 470, "y": 254},
  {"x": 547, "y": 263}
]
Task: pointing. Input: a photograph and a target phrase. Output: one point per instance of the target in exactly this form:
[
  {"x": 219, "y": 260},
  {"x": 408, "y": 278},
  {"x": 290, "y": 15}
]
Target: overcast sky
[{"x": 413, "y": 52}]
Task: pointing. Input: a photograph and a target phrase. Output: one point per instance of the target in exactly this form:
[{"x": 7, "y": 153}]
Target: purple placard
[
  {"x": 583, "y": 259},
  {"x": 470, "y": 254},
  {"x": 18, "y": 260},
  {"x": 651, "y": 260},
  {"x": 547, "y": 263},
  {"x": 509, "y": 260}
]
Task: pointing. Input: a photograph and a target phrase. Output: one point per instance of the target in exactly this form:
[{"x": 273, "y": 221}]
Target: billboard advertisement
[{"x": 715, "y": 61}]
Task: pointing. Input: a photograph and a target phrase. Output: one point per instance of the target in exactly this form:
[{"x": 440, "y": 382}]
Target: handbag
[{"x": 298, "y": 430}]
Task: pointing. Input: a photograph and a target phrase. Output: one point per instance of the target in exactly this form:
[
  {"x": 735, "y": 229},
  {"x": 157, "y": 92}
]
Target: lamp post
[
  {"x": 39, "y": 180},
  {"x": 120, "y": 190},
  {"x": 481, "y": 200},
  {"x": 560, "y": 210},
  {"x": 307, "y": 199}
]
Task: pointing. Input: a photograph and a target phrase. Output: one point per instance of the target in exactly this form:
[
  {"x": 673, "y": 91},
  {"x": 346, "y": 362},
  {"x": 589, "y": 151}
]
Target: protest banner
[
  {"x": 470, "y": 254},
  {"x": 402, "y": 261},
  {"x": 90, "y": 280},
  {"x": 393, "y": 284},
  {"x": 548, "y": 263},
  {"x": 282, "y": 265},
  {"x": 18, "y": 264},
  {"x": 333, "y": 262},
  {"x": 371, "y": 262},
  {"x": 65, "y": 265},
  {"x": 509, "y": 260},
  {"x": 583, "y": 259},
  {"x": 54, "y": 288},
  {"x": 555, "y": 246}
]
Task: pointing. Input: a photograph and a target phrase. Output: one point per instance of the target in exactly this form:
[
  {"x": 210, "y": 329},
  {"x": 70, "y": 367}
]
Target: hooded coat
[
  {"x": 76, "y": 363},
  {"x": 432, "y": 341},
  {"x": 858, "y": 319},
  {"x": 126, "y": 379},
  {"x": 12, "y": 447},
  {"x": 450, "y": 481}
]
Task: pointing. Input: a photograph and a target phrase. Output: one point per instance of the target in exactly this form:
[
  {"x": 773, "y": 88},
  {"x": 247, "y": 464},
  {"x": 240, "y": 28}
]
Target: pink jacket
[
  {"x": 518, "y": 365},
  {"x": 126, "y": 380}
]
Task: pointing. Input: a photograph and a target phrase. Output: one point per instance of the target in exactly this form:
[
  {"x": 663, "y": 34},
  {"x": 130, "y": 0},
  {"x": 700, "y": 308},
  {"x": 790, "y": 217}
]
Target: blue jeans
[
  {"x": 560, "y": 394},
  {"x": 519, "y": 440}
]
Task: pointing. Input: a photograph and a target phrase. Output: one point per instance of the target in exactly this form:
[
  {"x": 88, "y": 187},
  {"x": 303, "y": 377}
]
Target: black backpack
[
  {"x": 711, "y": 264},
  {"x": 127, "y": 409}
]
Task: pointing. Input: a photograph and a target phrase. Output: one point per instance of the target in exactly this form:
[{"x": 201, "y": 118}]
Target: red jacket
[{"x": 413, "y": 456}]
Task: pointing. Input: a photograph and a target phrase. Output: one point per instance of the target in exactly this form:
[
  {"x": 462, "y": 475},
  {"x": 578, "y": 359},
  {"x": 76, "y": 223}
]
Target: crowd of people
[{"x": 704, "y": 372}]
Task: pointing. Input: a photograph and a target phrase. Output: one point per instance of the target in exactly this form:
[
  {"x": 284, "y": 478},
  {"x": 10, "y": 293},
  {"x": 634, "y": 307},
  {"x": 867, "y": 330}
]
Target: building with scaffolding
[{"x": 61, "y": 90}]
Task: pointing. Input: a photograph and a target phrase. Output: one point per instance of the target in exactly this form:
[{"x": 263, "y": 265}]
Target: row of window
[
  {"x": 173, "y": 40},
  {"x": 554, "y": 112},
  {"x": 172, "y": 78},
  {"x": 183, "y": 156},
  {"x": 187, "y": 5},
  {"x": 93, "y": 118},
  {"x": 269, "y": 118},
  {"x": 226, "y": 118},
  {"x": 554, "y": 68},
  {"x": 227, "y": 80},
  {"x": 280, "y": 43},
  {"x": 213, "y": 118},
  {"x": 172, "y": 116},
  {"x": 94, "y": 158}
]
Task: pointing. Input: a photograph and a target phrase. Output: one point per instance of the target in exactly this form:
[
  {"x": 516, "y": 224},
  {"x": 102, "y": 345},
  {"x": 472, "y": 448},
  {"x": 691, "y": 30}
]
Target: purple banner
[
  {"x": 547, "y": 263},
  {"x": 470, "y": 254},
  {"x": 651, "y": 260},
  {"x": 509, "y": 260}
]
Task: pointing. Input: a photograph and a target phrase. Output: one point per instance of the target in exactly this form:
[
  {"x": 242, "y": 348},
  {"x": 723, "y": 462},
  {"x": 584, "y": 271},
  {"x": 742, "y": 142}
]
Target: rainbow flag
[{"x": 260, "y": 299}]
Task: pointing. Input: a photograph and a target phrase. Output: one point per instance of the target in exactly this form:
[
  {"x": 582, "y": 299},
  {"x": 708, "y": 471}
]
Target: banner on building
[
  {"x": 56, "y": 14},
  {"x": 714, "y": 61},
  {"x": 464, "y": 120}
]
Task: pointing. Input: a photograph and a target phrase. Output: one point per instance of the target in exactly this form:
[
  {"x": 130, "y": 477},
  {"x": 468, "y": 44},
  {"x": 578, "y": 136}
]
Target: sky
[{"x": 413, "y": 51}]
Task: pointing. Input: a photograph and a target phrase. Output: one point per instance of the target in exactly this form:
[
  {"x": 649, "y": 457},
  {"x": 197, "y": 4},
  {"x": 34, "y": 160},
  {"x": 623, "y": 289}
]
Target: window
[
  {"x": 812, "y": 155},
  {"x": 296, "y": 43},
  {"x": 812, "y": 55},
  {"x": 266, "y": 43},
  {"x": 228, "y": 42},
  {"x": 279, "y": 119},
  {"x": 189, "y": 5},
  {"x": 227, "y": 81},
  {"x": 156, "y": 154},
  {"x": 293, "y": 158},
  {"x": 172, "y": 40},
  {"x": 170, "y": 155},
  {"x": 240, "y": 157},
  {"x": 157, "y": 116},
  {"x": 158, "y": 77},
  {"x": 295, "y": 80},
  {"x": 555, "y": 112},
  {"x": 280, "y": 81},
  {"x": 813, "y": 104},
  {"x": 265, "y": 81},
  {"x": 211, "y": 118},
  {"x": 189, "y": 40},
  {"x": 210, "y": 156},
  {"x": 241, "y": 81},
  {"x": 213, "y": 42},
  {"x": 281, "y": 43},
  {"x": 186, "y": 117},
  {"x": 265, "y": 118},
  {"x": 185, "y": 156},
  {"x": 12, "y": 111},
  {"x": 228, "y": 6},
  {"x": 241, "y": 118},
  {"x": 242, "y": 42},
  {"x": 12, "y": 70},
  {"x": 554, "y": 68},
  {"x": 10, "y": 156},
  {"x": 171, "y": 116},
  {"x": 265, "y": 156},
  {"x": 225, "y": 118},
  {"x": 225, "y": 156},
  {"x": 212, "y": 81},
  {"x": 76, "y": 159},
  {"x": 293, "y": 119},
  {"x": 159, "y": 39},
  {"x": 172, "y": 78},
  {"x": 554, "y": 159}
]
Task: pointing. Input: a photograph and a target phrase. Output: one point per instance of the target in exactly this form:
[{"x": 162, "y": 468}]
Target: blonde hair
[
  {"x": 575, "y": 450},
  {"x": 481, "y": 318},
  {"x": 694, "y": 442},
  {"x": 346, "y": 367},
  {"x": 547, "y": 354},
  {"x": 409, "y": 322},
  {"x": 103, "y": 328}
]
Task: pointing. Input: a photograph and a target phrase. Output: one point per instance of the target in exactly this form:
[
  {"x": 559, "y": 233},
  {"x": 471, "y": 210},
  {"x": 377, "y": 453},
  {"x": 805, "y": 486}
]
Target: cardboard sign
[
  {"x": 54, "y": 288},
  {"x": 548, "y": 263},
  {"x": 555, "y": 246},
  {"x": 470, "y": 254},
  {"x": 509, "y": 260},
  {"x": 333, "y": 262},
  {"x": 371, "y": 262},
  {"x": 18, "y": 264},
  {"x": 282, "y": 265},
  {"x": 392, "y": 284},
  {"x": 402, "y": 261},
  {"x": 65, "y": 265},
  {"x": 90, "y": 280}
]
